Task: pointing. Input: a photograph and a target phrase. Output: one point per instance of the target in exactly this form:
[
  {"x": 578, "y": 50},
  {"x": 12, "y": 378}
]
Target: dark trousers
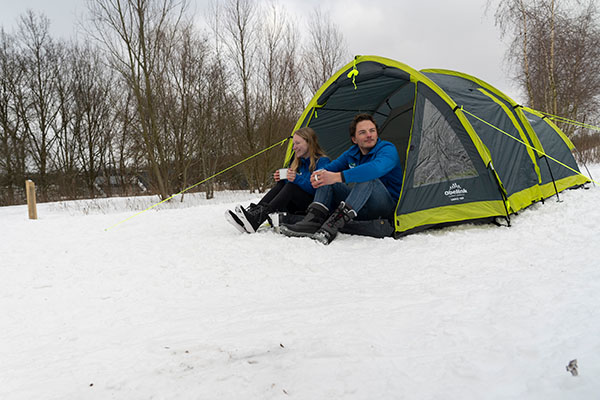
[{"x": 285, "y": 196}]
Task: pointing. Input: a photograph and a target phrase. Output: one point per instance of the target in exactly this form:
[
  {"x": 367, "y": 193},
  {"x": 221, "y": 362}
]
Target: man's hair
[{"x": 361, "y": 117}]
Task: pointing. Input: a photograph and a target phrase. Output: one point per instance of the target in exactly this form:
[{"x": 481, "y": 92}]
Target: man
[{"x": 364, "y": 182}]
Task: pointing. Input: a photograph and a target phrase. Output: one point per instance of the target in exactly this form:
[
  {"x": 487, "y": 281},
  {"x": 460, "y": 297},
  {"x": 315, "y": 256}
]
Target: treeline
[{"x": 148, "y": 101}]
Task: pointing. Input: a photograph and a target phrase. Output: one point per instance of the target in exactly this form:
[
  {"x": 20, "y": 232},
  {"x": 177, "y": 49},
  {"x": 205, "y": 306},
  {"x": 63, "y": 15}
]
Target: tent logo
[{"x": 456, "y": 192}]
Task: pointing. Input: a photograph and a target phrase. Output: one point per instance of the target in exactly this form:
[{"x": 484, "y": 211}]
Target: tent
[{"x": 469, "y": 152}]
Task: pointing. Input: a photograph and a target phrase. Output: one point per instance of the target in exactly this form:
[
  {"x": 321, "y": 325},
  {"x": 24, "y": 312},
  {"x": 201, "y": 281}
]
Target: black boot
[
  {"x": 328, "y": 231},
  {"x": 253, "y": 216},
  {"x": 234, "y": 220},
  {"x": 316, "y": 214}
]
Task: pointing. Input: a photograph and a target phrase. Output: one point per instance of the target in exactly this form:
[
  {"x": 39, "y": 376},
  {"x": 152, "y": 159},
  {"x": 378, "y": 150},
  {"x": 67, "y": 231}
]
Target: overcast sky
[{"x": 453, "y": 35}]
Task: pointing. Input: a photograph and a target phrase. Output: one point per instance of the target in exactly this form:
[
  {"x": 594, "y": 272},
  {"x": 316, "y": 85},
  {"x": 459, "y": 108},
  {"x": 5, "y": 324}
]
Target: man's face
[{"x": 365, "y": 136}]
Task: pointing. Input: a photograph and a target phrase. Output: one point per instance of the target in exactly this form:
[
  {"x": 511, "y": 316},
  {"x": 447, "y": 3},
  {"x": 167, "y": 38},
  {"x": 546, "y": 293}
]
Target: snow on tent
[{"x": 469, "y": 152}]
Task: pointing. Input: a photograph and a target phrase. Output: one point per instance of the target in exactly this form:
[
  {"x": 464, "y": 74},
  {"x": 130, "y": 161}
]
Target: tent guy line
[
  {"x": 527, "y": 145},
  {"x": 281, "y": 142},
  {"x": 572, "y": 122}
]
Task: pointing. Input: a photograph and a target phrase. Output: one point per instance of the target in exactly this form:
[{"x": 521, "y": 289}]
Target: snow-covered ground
[{"x": 176, "y": 304}]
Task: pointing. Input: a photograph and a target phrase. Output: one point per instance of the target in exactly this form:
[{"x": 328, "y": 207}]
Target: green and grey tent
[{"x": 469, "y": 152}]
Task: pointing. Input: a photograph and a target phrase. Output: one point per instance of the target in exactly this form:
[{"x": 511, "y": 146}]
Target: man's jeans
[{"x": 370, "y": 200}]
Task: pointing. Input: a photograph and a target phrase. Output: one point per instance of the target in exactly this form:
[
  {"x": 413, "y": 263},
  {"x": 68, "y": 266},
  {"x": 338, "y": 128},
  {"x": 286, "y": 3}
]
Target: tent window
[{"x": 442, "y": 156}]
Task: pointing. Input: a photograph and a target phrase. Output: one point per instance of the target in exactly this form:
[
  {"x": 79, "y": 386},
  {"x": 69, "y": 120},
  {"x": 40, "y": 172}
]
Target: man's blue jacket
[
  {"x": 382, "y": 163},
  {"x": 303, "y": 174}
]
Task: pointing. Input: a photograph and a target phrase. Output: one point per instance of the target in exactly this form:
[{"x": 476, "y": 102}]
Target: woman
[{"x": 293, "y": 194}]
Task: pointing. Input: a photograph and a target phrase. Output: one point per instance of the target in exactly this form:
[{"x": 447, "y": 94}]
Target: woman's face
[{"x": 300, "y": 146}]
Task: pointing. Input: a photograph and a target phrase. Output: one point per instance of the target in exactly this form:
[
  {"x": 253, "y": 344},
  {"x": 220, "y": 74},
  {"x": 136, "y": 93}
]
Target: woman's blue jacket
[{"x": 303, "y": 174}]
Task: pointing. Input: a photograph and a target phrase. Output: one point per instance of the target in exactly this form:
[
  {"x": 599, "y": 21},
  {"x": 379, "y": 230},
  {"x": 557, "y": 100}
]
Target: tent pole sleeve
[
  {"x": 553, "y": 180},
  {"x": 502, "y": 193}
]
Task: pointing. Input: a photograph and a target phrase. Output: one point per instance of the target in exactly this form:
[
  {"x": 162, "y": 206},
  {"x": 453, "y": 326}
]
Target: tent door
[{"x": 396, "y": 129}]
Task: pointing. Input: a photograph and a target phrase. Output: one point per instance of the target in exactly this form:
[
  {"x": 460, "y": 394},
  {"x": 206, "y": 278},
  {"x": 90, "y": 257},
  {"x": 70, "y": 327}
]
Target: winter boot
[
  {"x": 234, "y": 220},
  {"x": 317, "y": 213},
  {"x": 328, "y": 231},
  {"x": 253, "y": 216}
]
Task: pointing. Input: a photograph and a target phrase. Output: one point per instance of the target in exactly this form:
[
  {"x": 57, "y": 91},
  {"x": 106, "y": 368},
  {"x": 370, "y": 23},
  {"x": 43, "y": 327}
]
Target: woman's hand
[
  {"x": 276, "y": 176},
  {"x": 291, "y": 175},
  {"x": 323, "y": 177}
]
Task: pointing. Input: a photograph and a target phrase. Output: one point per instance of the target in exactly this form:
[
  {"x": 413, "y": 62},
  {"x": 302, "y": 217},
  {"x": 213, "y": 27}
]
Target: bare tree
[
  {"x": 280, "y": 85},
  {"x": 125, "y": 160},
  {"x": 261, "y": 49},
  {"x": 216, "y": 124},
  {"x": 92, "y": 123},
  {"x": 64, "y": 160},
  {"x": 186, "y": 95},
  {"x": 325, "y": 51},
  {"x": 12, "y": 139},
  {"x": 555, "y": 54},
  {"x": 39, "y": 108},
  {"x": 217, "y": 119},
  {"x": 138, "y": 34},
  {"x": 237, "y": 29}
]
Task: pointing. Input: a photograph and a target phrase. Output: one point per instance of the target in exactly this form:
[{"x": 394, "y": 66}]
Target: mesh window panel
[{"x": 442, "y": 156}]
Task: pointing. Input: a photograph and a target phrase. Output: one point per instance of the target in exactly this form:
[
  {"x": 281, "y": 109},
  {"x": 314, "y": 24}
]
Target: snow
[{"x": 176, "y": 304}]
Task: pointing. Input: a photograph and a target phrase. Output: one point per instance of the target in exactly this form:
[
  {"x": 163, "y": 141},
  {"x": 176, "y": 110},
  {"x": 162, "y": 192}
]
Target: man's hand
[{"x": 322, "y": 177}]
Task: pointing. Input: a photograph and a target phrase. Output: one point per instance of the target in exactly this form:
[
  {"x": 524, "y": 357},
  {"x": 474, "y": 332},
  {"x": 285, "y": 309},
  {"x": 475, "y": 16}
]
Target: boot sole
[
  {"x": 290, "y": 233},
  {"x": 321, "y": 238},
  {"x": 235, "y": 221},
  {"x": 242, "y": 217}
]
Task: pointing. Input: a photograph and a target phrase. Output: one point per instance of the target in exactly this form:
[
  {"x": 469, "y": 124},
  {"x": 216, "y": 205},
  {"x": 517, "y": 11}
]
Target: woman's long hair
[{"x": 314, "y": 149}]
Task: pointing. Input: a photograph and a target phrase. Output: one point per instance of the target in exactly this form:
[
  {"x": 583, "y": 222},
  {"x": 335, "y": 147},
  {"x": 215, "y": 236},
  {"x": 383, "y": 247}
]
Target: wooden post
[{"x": 31, "y": 204}]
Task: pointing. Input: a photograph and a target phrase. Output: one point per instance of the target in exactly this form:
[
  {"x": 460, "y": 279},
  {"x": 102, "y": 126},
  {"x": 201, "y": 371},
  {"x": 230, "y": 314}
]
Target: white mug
[
  {"x": 283, "y": 173},
  {"x": 317, "y": 176}
]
